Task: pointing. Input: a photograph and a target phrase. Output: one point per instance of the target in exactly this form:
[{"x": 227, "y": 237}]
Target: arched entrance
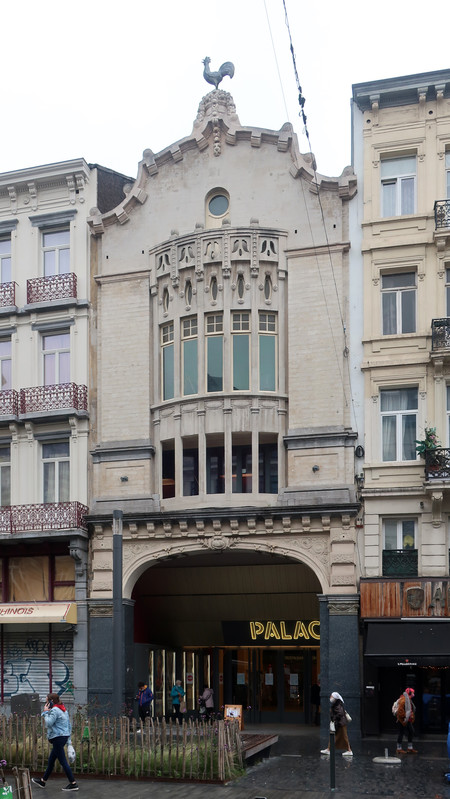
[{"x": 244, "y": 622}]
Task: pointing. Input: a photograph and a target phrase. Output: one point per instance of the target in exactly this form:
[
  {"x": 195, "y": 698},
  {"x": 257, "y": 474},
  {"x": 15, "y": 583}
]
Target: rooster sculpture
[{"x": 215, "y": 77}]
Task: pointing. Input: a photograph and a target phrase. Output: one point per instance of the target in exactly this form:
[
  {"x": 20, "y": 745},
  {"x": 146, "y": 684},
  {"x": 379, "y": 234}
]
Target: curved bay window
[{"x": 214, "y": 352}]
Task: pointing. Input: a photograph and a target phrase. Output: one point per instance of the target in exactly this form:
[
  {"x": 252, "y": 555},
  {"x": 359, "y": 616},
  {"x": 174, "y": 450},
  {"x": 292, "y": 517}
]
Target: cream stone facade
[
  {"x": 44, "y": 425},
  {"x": 222, "y": 429},
  {"x": 401, "y": 135}
]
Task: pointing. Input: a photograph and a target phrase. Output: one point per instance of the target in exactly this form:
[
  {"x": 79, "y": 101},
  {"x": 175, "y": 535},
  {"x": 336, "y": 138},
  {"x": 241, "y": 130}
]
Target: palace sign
[{"x": 271, "y": 633}]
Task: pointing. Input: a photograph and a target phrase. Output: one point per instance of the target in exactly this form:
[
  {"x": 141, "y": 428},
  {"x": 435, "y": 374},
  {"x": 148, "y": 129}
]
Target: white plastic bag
[{"x": 71, "y": 755}]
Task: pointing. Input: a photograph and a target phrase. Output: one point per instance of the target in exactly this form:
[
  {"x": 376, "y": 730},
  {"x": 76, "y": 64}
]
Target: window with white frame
[
  {"x": 167, "y": 361},
  {"x": 267, "y": 351},
  {"x": 189, "y": 332},
  {"x": 56, "y": 252},
  {"x": 240, "y": 330},
  {"x": 398, "y": 186},
  {"x": 56, "y": 471},
  {"x": 5, "y": 474},
  {"x": 5, "y": 364},
  {"x": 398, "y": 409},
  {"x": 56, "y": 356},
  {"x": 398, "y": 300},
  {"x": 214, "y": 352},
  {"x": 447, "y": 172},
  {"x": 5, "y": 259},
  {"x": 399, "y": 534}
]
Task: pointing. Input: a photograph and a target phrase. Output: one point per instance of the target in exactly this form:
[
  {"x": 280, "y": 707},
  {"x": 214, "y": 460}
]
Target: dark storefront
[{"x": 401, "y": 653}]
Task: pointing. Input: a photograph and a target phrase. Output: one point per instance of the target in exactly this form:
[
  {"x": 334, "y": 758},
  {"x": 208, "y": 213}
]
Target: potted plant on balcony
[{"x": 429, "y": 443}]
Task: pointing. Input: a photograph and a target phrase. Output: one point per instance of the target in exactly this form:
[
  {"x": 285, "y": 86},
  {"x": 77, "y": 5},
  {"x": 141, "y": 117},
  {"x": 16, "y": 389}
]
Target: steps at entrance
[{"x": 253, "y": 744}]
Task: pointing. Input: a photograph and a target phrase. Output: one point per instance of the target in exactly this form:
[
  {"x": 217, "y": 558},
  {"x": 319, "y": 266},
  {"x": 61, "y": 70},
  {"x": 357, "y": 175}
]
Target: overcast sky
[{"x": 104, "y": 80}]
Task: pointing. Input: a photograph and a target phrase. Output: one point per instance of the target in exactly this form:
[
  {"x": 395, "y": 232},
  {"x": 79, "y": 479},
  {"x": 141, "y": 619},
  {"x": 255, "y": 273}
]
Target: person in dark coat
[
  {"x": 145, "y": 698},
  {"x": 405, "y": 717},
  {"x": 338, "y": 716}
]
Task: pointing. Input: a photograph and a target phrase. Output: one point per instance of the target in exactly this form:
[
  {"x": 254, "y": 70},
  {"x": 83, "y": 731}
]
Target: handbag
[
  {"x": 348, "y": 716},
  {"x": 71, "y": 754},
  {"x": 183, "y": 707}
]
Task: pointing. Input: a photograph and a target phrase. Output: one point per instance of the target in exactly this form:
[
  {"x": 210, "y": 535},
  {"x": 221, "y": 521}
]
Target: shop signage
[
  {"x": 271, "y": 633},
  {"x": 46, "y": 612}
]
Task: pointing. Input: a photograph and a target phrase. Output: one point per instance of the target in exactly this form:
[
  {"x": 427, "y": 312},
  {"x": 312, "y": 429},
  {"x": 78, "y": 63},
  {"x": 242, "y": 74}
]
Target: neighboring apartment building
[
  {"x": 222, "y": 424},
  {"x": 401, "y": 140},
  {"x": 44, "y": 425}
]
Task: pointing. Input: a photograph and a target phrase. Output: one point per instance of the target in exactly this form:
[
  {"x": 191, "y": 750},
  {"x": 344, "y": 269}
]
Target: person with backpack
[
  {"x": 145, "y": 698},
  {"x": 404, "y": 711}
]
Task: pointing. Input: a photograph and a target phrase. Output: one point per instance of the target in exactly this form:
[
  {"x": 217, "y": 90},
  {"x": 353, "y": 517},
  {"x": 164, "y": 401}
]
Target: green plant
[{"x": 430, "y": 441}]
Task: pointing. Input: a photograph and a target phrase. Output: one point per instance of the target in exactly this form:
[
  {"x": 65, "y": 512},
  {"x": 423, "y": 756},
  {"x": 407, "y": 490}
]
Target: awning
[
  {"x": 44, "y": 612},
  {"x": 414, "y": 643}
]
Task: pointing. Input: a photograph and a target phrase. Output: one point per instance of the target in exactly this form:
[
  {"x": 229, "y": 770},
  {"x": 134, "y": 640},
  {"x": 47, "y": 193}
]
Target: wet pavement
[{"x": 296, "y": 769}]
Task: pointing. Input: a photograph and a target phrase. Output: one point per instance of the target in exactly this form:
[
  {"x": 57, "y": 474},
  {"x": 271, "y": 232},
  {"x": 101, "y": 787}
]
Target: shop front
[{"x": 398, "y": 654}]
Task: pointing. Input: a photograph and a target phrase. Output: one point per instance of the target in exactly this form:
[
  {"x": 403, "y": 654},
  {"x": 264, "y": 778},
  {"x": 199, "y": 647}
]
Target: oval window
[
  {"x": 267, "y": 288},
  {"x": 213, "y": 287},
  {"x": 218, "y": 205},
  {"x": 188, "y": 292},
  {"x": 240, "y": 286},
  {"x": 166, "y": 299}
]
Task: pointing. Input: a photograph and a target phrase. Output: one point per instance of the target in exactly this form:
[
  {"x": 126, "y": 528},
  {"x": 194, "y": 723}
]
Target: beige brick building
[
  {"x": 401, "y": 134},
  {"x": 221, "y": 424}
]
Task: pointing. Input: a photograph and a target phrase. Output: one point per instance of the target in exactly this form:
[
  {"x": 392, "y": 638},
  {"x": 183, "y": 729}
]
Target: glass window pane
[
  {"x": 215, "y": 471},
  {"x": 241, "y": 377},
  {"x": 57, "y": 449},
  {"x": 399, "y": 399},
  {"x": 267, "y": 375},
  {"x": 408, "y": 534},
  {"x": 168, "y": 372},
  {"x": 57, "y": 238},
  {"x": 64, "y": 568},
  {"x": 64, "y": 481},
  {"x": 5, "y": 246},
  {"x": 389, "y": 441},
  {"x": 389, "y": 313},
  {"x": 64, "y": 367},
  {"x": 190, "y": 473},
  {"x": 29, "y": 579},
  {"x": 6, "y": 270},
  {"x": 388, "y": 199},
  {"x": 408, "y": 311},
  {"x": 448, "y": 184},
  {"x": 49, "y": 263},
  {"x": 405, "y": 165},
  {"x": 5, "y": 473},
  {"x": 215, "y": 363},
  {"x": 398, "y": 280},
  {"x": 49, "y": 482},
  {"x": 407, "y": 196},
  {"x": 6, "y": 374},
  {"x": 49, "y": 369},
  {"x": 390, "y": 534},
  {"x": 409, "y": 437},
  {"x": 190, "y": 380},
  {"x": 64, "y": 261}
]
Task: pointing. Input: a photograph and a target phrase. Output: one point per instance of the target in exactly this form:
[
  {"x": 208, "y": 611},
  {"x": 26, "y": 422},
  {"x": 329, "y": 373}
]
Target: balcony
[
  {"x": 441, "y": 214},
  {"x": 9, "y": 403},
  {"x": 440, "y": 334},
  {"x": 437, "y": 464},
  {"x": 400, "y": 562},
  {"x": 39, "y": 518},
  {"x": 55, "y": 287},
  {"x": 46, "y": 399},
  {"x": 7, "y": 294}
]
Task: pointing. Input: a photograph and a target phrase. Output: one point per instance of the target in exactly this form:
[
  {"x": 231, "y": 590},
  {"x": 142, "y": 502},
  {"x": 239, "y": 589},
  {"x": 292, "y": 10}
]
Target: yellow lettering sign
[
  {"x": 313, "y": 629},
  {"x": 271, "y": 630},
  {"x": 256, "y": 628}
]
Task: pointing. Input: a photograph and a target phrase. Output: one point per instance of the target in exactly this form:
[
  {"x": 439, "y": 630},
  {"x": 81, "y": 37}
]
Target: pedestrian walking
[
  {"x": 57, "y": 722},
  {"x": 206, "y": 702},
  {"x": 340, "y": 717},
  {"x": 177, "y": 694},
  {"x": 404, "y": 710},
  {"x": 145, "y": 698}
]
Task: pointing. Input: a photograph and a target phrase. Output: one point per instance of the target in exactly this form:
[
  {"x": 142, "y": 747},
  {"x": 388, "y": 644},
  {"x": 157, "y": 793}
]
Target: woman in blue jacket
[{"x": 56, "y": 719}]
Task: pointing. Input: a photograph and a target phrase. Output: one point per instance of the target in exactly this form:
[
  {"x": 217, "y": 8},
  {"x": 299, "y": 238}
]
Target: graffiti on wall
[{"x": 26, "y": 667}]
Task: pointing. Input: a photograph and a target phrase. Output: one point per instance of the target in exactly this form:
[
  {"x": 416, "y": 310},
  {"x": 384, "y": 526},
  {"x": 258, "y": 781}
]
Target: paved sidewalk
[{"x": 296, "y": 770}]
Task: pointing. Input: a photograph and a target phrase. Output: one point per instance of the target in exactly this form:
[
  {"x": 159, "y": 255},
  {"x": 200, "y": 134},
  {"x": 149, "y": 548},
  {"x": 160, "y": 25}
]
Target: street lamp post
[{"x": 117, "y": 614}]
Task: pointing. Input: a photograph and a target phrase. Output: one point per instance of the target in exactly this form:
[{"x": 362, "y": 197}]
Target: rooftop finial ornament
[{"x": 215, "y": 77}]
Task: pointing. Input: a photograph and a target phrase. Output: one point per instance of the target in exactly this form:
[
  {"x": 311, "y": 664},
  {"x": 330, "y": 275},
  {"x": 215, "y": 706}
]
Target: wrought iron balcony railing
[
  {"x": 400, "y": 562},
  {"x": 55, "y": 287},
  {"x": 64, "y": 396},
  {"x": 437, "y": 464},
  {"x": 38, "y": 518},
  {"x": 9, "y": 403},
  {"x": 440, "y": 334},
  {"x": 7, "y": 294},
  {"x": 442, "y": 214}
]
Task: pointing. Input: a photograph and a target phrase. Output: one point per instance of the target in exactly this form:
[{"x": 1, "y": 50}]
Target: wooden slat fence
[{"x": 107, "y": 746}]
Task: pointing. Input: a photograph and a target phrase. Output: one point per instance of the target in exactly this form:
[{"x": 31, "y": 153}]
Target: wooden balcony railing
[
  {"x": 48, "y": 516},
  {"x": 55, "y": 287},
  {"x": 63, "y": 396},
  {"x": 400, "y": 562},
  {"x": 437, "y": 464},
  {"x": 7, "y": 294}
]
